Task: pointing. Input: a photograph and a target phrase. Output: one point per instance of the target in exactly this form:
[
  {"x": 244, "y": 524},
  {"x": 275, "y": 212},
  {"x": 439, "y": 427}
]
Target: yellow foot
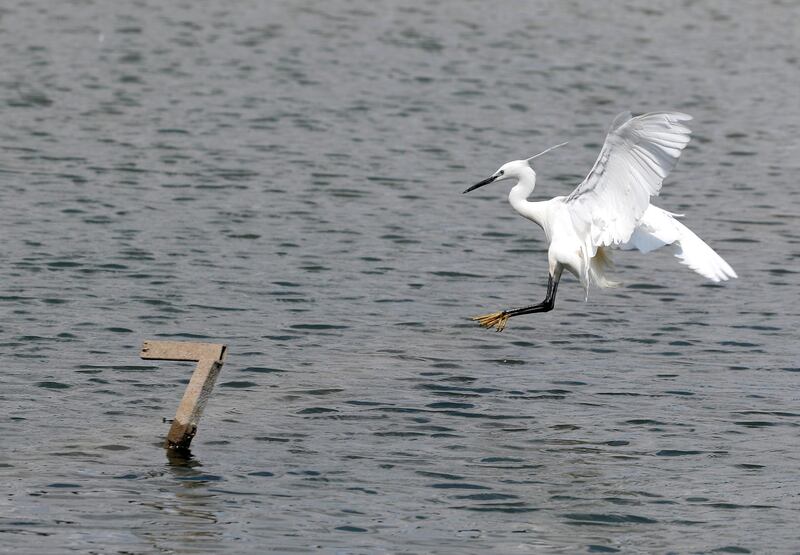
[{"x": 494, "y": 320}]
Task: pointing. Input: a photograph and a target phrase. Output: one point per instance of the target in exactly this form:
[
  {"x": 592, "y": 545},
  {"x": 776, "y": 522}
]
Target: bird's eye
[{"x": 502, "y": 172}]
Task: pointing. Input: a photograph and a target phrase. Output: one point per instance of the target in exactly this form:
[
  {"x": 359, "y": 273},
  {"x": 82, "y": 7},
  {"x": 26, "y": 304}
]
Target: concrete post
[{"x": 209, "y": 357}]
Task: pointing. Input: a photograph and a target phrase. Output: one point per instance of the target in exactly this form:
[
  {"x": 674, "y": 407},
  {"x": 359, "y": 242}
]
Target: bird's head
[
  {"x": 509, "y": 170},
  {"x": 512, "y": 170}
]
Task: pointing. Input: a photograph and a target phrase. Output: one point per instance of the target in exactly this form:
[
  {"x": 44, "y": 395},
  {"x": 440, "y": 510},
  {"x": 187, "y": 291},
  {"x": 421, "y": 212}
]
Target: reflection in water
[
  {"x": 188, "y": 509},
  {"x": 181, "y": 458}
]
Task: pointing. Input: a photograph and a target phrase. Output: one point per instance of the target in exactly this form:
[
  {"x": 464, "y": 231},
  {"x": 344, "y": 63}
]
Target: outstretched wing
[
  {"x": 658, "y": 227},
  {"x": 636, "y": 157}
]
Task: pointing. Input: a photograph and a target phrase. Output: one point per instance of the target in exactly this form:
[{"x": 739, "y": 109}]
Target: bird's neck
[{"x": 518, "y": 197}]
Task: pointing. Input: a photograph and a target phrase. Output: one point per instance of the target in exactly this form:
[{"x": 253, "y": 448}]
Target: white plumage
[
  {"x": 657, "y": 228},
  {"x": 611, "y": 208},
  {"x": 636, "y": 157}
]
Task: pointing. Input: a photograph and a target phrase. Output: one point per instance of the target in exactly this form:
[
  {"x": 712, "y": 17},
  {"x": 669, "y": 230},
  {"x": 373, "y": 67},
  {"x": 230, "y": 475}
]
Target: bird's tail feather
[{"x": 599, "y": 268}]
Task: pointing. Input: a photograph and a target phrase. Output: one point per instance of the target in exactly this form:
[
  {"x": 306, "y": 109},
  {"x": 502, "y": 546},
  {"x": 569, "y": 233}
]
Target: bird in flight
[{"x": 610, "y": 209}]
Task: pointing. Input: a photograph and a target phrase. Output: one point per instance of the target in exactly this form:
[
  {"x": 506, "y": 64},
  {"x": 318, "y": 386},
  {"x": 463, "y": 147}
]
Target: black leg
[
  {"x": 545, "y": 306},
  {"x": 498, "y": 320}
]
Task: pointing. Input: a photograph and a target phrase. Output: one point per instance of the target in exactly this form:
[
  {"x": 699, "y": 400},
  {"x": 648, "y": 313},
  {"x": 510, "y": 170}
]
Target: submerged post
[{"x": 209, "y": 357}]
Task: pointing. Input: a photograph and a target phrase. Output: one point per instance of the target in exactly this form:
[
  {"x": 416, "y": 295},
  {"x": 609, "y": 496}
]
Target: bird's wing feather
[
  {"x": 658, "y": 227},
  {"x": 637, "y": 155}
]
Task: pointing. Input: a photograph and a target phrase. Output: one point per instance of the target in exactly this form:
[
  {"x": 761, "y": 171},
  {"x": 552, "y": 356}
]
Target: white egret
[{"x": 610, "y": 209}]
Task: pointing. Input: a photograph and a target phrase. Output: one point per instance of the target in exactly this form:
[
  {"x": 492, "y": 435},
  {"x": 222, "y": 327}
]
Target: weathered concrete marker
[{"x": 209, "y": 357}]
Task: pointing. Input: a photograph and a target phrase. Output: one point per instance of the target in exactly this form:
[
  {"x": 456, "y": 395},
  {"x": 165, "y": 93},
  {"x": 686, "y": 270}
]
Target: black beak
[{"x": 482, "y": 183}]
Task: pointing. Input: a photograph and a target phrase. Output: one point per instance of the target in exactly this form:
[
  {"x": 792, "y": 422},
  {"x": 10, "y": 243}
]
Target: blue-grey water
[{"x": 285, "y": 178}]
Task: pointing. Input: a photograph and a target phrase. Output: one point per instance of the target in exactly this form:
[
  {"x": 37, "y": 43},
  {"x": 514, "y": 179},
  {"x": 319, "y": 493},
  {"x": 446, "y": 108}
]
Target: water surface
[{"x": 285, "y": 178}]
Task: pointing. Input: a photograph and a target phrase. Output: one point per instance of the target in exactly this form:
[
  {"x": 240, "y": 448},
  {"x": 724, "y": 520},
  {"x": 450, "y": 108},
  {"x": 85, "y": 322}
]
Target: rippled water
[{"x": 285, "y": 178}]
